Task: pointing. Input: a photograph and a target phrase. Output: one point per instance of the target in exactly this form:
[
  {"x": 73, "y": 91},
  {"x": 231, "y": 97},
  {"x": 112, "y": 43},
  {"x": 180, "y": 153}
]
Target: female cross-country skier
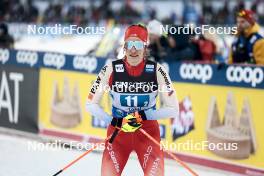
[{"x": 134, "y": 84}]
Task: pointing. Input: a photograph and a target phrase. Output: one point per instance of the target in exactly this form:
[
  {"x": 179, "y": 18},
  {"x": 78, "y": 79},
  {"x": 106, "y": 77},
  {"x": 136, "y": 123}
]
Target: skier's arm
[
  {"x": 168, "y": 95},
  {"x": 96, "y": 93}
]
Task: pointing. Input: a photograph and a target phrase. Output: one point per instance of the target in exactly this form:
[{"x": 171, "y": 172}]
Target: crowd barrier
[{"x": 221, "y": 109}]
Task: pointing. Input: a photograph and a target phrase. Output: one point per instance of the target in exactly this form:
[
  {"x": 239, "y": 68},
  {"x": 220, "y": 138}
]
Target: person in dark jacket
[
  {"x": 181, "y": 46},
  {"x": 157, "y": 41},
  {"x": 249, "y": 44},
  {"x": 6, "y": 40}
]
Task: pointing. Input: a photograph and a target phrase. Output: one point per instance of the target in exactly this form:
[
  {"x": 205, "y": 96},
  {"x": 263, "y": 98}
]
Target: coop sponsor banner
[
  {"x": 235, "y": 142},
  {"x": 212, "y": 74},
  {"x": 226, "y": 75},
  {"x": 19, "y": 98},
  {"x": 59, "y": 61}
]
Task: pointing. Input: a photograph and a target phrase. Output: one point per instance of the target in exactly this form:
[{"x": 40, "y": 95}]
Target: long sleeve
[
  {"x": 258, "y": 52},
  {"x": 97, "y": 90},
  {"x": 168, "y": 95}
]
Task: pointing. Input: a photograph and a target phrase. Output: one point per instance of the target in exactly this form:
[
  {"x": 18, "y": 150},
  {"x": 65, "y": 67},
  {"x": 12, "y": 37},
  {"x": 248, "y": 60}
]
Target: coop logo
[
  {"x": 54, "y": 60},
  {"x": 27, "y": 57},
  {"x": 86, "y": 63},
  {"x": 199, "y": 72},
  {"x": 4, "y": 55},
  {"x": 248, "y": 75}
]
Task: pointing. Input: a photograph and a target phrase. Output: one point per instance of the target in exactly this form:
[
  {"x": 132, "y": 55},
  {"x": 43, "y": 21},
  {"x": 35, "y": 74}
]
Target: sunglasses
[{"x": 137, "y": 44}]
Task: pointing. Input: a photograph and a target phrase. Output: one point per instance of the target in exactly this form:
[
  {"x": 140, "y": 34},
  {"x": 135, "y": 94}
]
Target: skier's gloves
[{"x": 131, "y": 123}]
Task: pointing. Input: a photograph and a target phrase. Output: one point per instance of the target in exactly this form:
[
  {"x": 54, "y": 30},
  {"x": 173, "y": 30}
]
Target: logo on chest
[
  {"x": 149, "y": 68},
  {"x": 119, "y": 68}
]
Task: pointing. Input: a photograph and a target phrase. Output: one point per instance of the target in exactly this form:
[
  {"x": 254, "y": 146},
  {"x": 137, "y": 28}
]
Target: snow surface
[{"x": 16, "y": 159}]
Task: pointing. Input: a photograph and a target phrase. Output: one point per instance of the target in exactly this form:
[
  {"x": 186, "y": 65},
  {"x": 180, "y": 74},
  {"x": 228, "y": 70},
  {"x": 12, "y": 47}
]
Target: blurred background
[{"x": 115, "y": 15}]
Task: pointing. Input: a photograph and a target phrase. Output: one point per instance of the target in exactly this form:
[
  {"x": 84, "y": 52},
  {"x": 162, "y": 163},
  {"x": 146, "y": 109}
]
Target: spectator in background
[
  {"x": 249, "y": 44},
  {"x": 128, "y": 14},
  {"x": 31, "y": 12},
  {"x": 223, "y": 16},
  {"x": 256, "y": 8},
  {"x": 190, "y": 14},
  {"x": 6, "y": 40},
  {"x": 206, "y": 46},
  {"x": 157, "y": 41},
  {"x": 4, "y": 4},
  {"x": 207, "y": 12},
  {"x": 53, "y": 13},
  {"x": 181, "y": 46}
]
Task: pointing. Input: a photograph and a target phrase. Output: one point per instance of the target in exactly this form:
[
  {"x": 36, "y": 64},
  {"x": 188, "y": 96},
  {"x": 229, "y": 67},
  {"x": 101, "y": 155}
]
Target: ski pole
[
  {"x": 169, "y": 153},
  {"x": 87, "y": 152},
  {"x": 74, "y": 161},
  {"x": 111, "y": 140}
]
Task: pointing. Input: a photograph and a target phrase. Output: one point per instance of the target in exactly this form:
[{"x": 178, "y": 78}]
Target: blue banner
[
  {"x": 211, "y": 74},
  {"x": 229, "y": 75}
]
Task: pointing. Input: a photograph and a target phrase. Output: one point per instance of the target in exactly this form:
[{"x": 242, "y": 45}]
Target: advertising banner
[
  {"x": 62, "y": 100},
  {"x": 212, "y": 74},
  {"x": 33, "y": 59},
  {"x": 19, "y": 98},
  {"x": 228, "y": 127}
]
